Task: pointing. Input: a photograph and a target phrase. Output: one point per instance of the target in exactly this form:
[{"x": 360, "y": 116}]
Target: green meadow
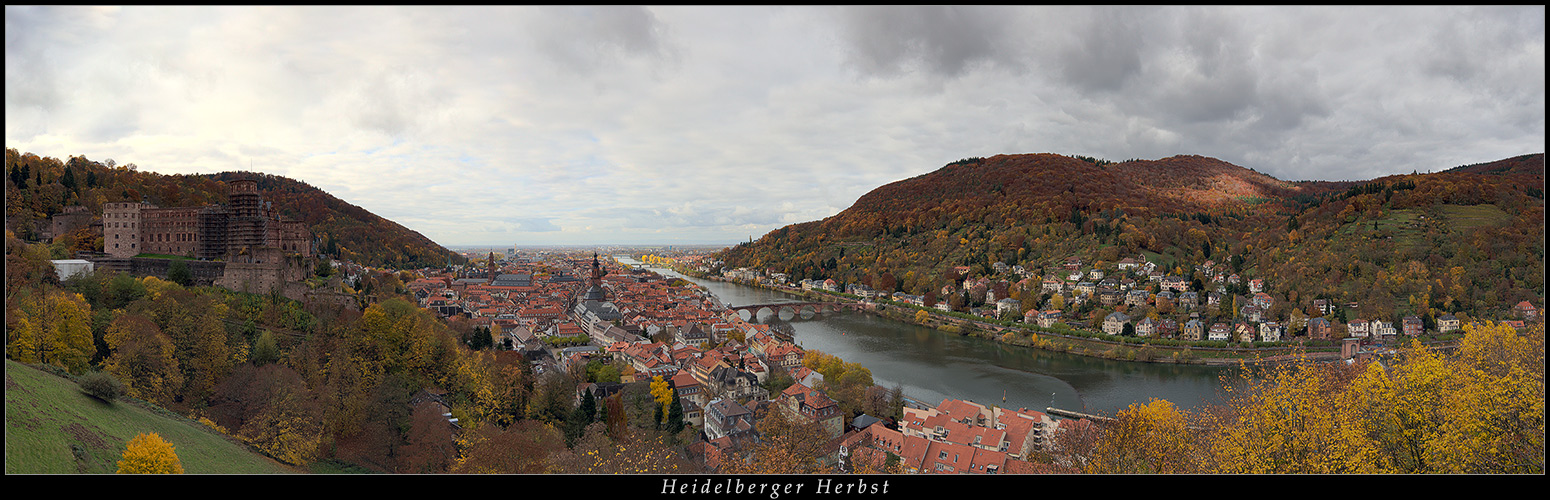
[{"x": 51, "y": 427}]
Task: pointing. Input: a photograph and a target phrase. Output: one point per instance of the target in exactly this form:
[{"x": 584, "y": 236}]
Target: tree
[
  {"x": 178, "y": 272},
  {"x": 895, "y": 402},
  {"x": 54, "y": 329},
  {"x": 148, "y": 453},
  {"x": 1147, "y": 439},
  {"x": 675, "y": 416},
  {"x": 265, "y": 349},
  {"x": 922, "y": 316},
  {"x": 786, "y": 446},
  {"x": 1292, "y": 420},
  {"x": 124, "y": 289},
  {"x": 430, "y": 449},
  {"x": 271, "y": 408},
  {"x": 630, "y": 452},
  {"x": 662, "y": 392},
  {"x": 523, "y": 448},
  {"x": 1481, "y": 411}
]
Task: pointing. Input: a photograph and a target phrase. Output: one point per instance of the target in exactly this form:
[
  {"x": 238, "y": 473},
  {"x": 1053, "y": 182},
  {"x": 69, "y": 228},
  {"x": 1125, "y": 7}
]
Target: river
[{"x": 932, "y": 365}]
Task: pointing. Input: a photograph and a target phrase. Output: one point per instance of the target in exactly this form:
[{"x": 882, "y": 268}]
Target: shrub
[
  {"x": 101, "y": 385},
  {"x": 150, "y": 454}
]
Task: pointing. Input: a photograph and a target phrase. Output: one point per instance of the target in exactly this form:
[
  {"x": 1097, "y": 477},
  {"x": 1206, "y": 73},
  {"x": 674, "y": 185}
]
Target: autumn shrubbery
[{"x": 1477, "y": 411}]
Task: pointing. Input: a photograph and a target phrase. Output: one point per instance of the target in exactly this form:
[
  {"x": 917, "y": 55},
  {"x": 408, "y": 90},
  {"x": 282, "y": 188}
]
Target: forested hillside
[
  {"x": 1468, "y": 240},
  {"x": 37, "y": 187}
]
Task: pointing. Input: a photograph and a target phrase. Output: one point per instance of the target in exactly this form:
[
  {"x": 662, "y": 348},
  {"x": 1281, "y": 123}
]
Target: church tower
[{"x": 595, "y": 292}]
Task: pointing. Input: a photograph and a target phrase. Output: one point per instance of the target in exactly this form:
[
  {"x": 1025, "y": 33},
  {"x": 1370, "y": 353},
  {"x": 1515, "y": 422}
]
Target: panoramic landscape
[{"x": 775, "y": 250}]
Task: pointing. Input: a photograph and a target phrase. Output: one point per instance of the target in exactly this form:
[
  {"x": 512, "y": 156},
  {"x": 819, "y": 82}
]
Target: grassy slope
[{"x": 46, "y": 414}]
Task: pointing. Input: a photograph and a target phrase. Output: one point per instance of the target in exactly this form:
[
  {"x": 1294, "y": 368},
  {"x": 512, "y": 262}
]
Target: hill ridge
[{"x": 1034, "y": 210}]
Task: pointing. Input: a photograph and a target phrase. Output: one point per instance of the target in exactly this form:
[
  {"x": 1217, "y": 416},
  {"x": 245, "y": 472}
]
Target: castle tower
[
  {"x": 121, "y": 225},
  {"x": 249, "y": 226}
]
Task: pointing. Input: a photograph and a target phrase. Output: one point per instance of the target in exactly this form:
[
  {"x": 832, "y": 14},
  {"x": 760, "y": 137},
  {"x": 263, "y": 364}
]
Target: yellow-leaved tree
[
  {"x": 143, "y": 357},
  {"x": 1480, "y": 411},
  {"x": 148, "y": 453},
  {"x": 54, "y": 329},
  {"x": 1292, "y": 420},
  {"x": 1503, "y": 372},
  {"x": 1155, "y": 438},
  {"x": 663, "y": 394}
]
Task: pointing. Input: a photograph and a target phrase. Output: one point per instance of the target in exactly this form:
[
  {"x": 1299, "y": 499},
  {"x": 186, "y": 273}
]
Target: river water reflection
[{"x": 932, "y": 365}]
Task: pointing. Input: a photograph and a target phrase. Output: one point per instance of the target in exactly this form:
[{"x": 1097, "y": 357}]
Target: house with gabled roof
[
  {"x": 1188, "y": 301},
  {"x": 1048, "y": 318},
  {"x": 1250, "y": 313},
  {"x": 1271, "y": 331},
  {"x": 1381, "y": 329},
  {"x": 1146, "y": 327},
  {"x": 806, "y": 404},
  {"x": 1194, "y": 329},
  {"x": 1244, "y": 332},
  {"x": 1526, "y": 311},
  {"x": 1136, "y": 297},
  {"x": 1114, "y": 323},
  {"x": 724, "y": 417},
  {"x": 1319, "y": 328}
]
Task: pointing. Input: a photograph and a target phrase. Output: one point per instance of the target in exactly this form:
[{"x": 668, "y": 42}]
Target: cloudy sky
[{"x": 583, "y": 125}]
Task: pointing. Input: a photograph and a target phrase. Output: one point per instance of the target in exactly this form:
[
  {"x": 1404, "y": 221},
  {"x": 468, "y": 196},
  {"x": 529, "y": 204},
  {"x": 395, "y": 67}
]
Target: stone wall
[
  {"x": 205, "y": 272},
  {"x": 267, "y": 270}
]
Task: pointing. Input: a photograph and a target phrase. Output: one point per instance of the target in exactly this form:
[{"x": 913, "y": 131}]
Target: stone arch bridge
[{"x": 751, "y": 312}]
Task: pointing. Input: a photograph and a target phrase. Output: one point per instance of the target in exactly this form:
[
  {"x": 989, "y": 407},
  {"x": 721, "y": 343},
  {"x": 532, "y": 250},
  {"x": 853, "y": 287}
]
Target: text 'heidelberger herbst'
[{"x": 736, "y": 486}]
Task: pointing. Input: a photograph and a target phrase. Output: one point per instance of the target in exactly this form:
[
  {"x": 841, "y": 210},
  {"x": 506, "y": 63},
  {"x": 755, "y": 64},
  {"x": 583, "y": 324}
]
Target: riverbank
[
  {"x": 932, "y": 364},
  {"x": 1076, "y": 342}
]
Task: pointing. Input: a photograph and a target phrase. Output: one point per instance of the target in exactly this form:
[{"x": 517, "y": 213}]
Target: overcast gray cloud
[{"x": 566, "y": 125}]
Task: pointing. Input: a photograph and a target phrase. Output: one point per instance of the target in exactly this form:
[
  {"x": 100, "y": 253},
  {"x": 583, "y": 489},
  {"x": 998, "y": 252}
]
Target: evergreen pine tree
[{"x": 675, "y": 415}]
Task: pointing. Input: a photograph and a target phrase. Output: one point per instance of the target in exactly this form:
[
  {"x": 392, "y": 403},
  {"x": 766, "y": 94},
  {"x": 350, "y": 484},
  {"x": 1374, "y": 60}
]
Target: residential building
[
  {"x": 1194, "y": 329},
  {"x": 1447, "y": 323},
  {"x": 1220, "y": 331},
  {"x": 1526, "y": 311},
  {"x": 1146, "y": 327},
  {"x": 1271, "y": 331},
  {"x": 1359, "y": 328},
  {"x": 807, "y": 404},
  {"x": 1319, "y": 329},
  {"x": 724, "y": 417},
  {"x": 1114, "y": 323}
]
